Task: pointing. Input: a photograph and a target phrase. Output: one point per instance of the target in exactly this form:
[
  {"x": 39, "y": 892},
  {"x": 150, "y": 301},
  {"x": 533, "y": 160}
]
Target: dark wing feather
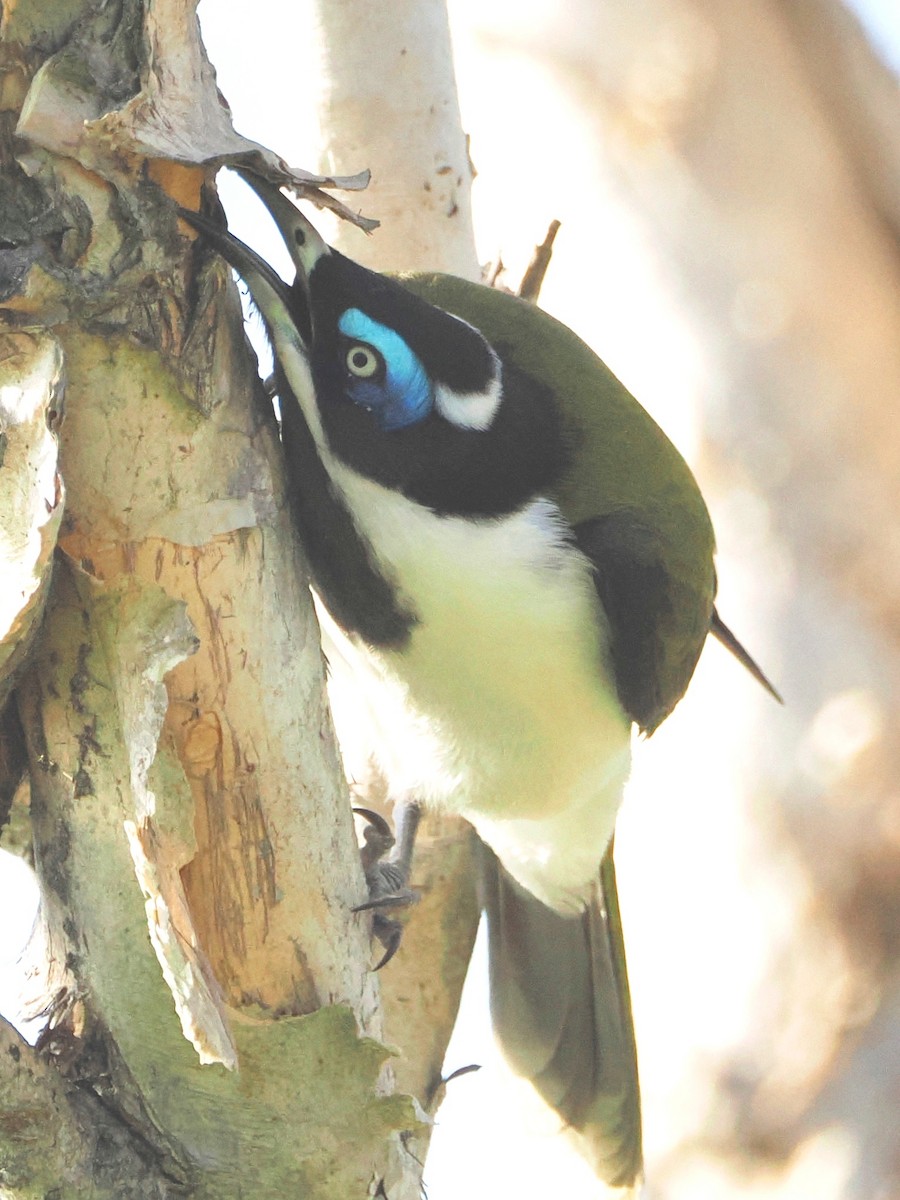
[
  {"x": 723, "y": 634},
  {"x": 658, "y": 619}
]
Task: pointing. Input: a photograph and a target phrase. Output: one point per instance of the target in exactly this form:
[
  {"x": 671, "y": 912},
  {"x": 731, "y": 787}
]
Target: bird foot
[{"x": 387, "y": 862}]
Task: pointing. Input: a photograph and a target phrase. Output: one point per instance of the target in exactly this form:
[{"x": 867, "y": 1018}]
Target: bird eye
[
  {"x": 363, "y": 361},
  {"x": 299, "y": 236}
]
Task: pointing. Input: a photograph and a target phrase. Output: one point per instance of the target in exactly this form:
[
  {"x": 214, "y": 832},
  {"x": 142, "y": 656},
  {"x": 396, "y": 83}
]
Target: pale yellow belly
[{"x": 501, "y": 707}]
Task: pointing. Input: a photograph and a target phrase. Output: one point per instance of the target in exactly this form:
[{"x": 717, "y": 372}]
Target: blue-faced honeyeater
[{"x": 517, "y": 565}]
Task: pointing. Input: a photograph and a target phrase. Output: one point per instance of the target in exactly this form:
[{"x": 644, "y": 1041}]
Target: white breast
[{"x": 501, "y": 707}]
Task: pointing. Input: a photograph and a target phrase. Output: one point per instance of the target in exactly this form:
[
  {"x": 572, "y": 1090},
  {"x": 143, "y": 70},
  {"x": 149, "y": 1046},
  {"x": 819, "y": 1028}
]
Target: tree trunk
[{"x": 184, "y": 777}]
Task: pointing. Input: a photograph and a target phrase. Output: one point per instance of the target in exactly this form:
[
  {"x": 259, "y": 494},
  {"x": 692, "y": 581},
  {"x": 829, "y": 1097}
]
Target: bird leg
[{"x": 387, "y": 862}]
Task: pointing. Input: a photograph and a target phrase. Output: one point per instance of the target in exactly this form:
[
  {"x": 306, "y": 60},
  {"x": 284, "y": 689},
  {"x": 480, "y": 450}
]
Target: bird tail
[{"x": 562, "y": 1014}]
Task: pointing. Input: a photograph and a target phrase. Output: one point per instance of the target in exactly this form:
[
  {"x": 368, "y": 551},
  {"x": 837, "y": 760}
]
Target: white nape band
[{"x": 470, "y": 410}]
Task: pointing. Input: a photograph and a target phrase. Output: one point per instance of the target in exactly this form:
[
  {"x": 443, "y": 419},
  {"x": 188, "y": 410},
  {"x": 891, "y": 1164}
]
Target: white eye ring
[{"x": 362, "y": 361}]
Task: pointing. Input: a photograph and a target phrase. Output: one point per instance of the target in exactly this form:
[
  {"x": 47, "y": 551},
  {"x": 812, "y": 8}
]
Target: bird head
[{"x": 402, "y": 391}]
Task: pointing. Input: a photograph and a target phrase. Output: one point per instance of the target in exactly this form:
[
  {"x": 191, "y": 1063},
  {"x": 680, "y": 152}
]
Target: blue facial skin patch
[{"x": 402, "y": 394}]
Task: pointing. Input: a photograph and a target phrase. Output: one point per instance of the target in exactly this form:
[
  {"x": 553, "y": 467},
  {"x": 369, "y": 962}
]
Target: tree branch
[{"x": 58, "y": 1138}]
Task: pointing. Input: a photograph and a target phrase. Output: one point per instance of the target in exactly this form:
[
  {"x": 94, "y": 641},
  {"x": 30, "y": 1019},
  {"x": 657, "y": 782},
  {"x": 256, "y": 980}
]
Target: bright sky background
[{"x": 882, "y": 21}]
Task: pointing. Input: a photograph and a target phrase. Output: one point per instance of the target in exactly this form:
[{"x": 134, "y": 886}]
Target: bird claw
[
  {"x": 390, "y": 934},
  {"x": 386, "y": 862},
  {"x": 395, "y": 900}
]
